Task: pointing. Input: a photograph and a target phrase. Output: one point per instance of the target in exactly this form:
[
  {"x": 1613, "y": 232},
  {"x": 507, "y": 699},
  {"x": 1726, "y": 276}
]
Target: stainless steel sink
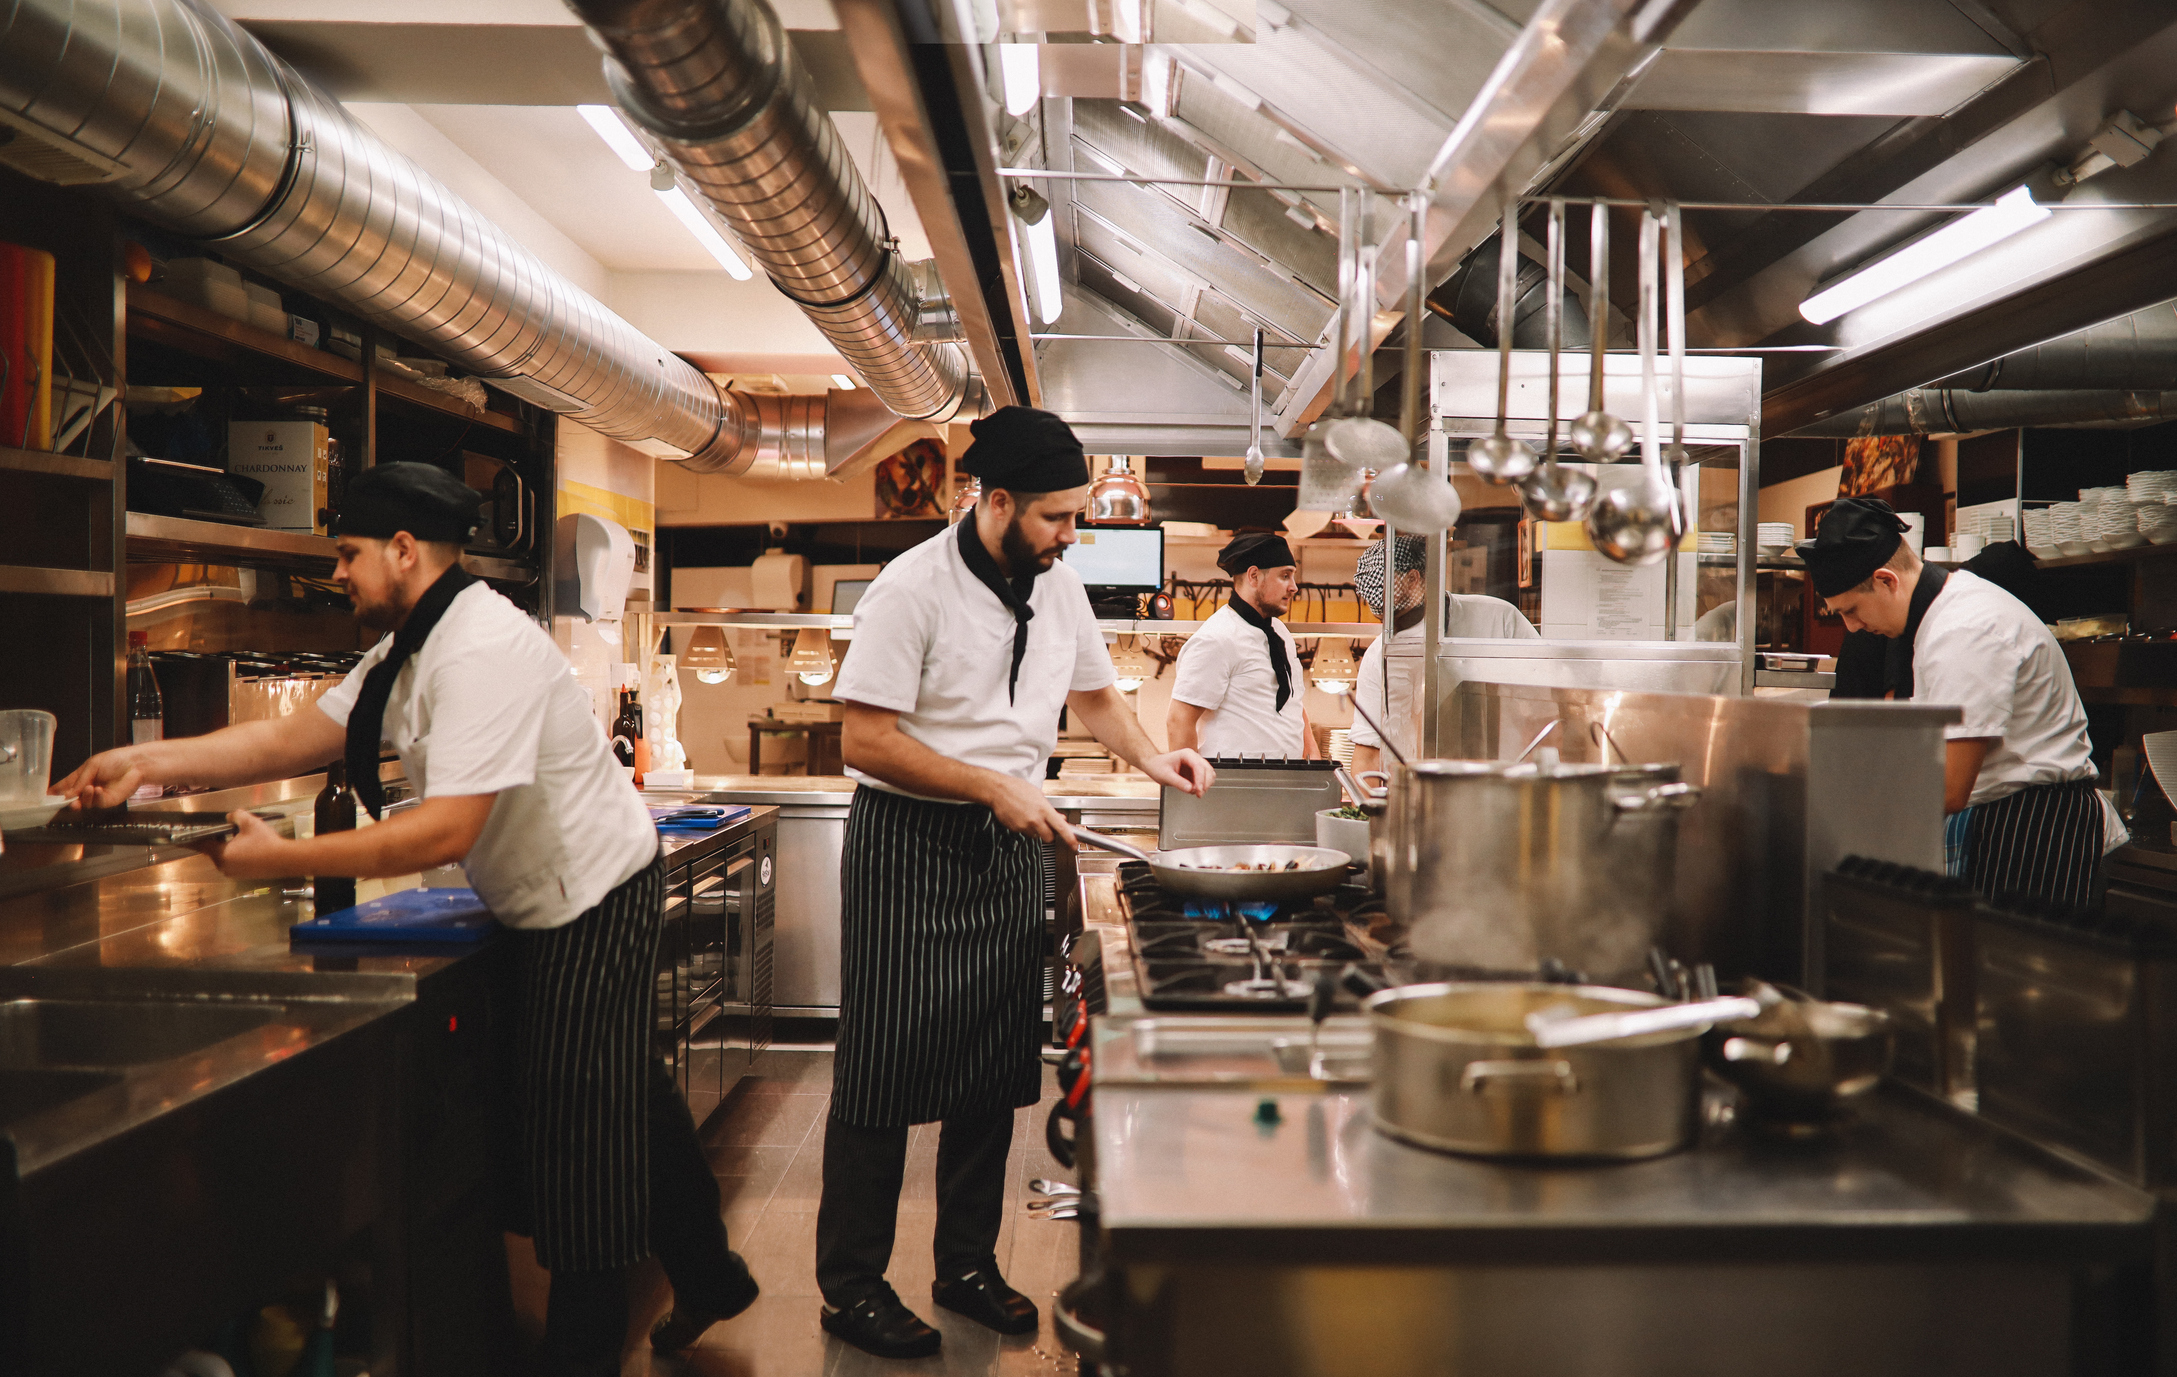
[
  {"x": 26, "y": 1092},
  {"x": 42, "y": 1033}
]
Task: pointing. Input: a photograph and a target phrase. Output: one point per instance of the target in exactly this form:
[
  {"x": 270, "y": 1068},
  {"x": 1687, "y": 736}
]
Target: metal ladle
[
  {"x": 1553, "y": 492},
  {"x": 1638, "y": 524},
  {"x": 1414, "y": 499},
  {"x": 1599, "y": 436},
  {"x": 1253, "y": 466},
  {"x": 1356, "y": 439},
  {"x": 1498, "y": 458}
]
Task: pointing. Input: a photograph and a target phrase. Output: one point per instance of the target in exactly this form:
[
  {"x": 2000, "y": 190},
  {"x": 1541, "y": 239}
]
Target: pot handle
[
  {"x": 1761, "y": 1051},
  {"x": 1534, "y": 1077},
  {"x": 1674, "y": 798}
]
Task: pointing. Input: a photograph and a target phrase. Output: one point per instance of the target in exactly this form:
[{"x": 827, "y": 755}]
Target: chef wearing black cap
[
  {"x": 965, "y": 650},
  {"x": 2018, "y": 778},
  {"x": 519, "y": 786},
  {"x": 1237, "y": 688}
]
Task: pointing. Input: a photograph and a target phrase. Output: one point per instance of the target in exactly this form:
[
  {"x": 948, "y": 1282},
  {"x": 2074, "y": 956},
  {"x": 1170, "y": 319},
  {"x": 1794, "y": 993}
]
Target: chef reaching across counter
[
  {"x": 2018, "y": 778},
  {"x": 1238, "y": 686},
  {"x": 965, "y": 650},
  {"x": 519, "y": 785},
  {"x": 1465, "y": 615}
]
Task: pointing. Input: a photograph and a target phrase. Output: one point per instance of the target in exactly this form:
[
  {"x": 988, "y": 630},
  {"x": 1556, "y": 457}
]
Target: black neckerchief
[
  {"x": 1014, "y": 593},
  {"x": 1897, "y": 668},
  {"x": 1268, "y": 627},
  {"x": 366, "y": 720}
]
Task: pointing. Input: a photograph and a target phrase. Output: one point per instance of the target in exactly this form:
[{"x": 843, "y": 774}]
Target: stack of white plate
[
  {"x": 2155, "y": 485},
  {"x": 2038, "y": 538},
  {"x": 2116, "y": 523},
  {"x": 1775, "y": 537},
  {"x": 2158, "y": 522},
  {"x": 1716, "y": 542},
  {"x": 1997, "y": 529},
  {"x": 2068, "y": 528}
]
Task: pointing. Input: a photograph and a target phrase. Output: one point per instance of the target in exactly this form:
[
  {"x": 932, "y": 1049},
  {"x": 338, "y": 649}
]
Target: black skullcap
[
  {"x": 1255, "y": 550},
  {"x": 421, "y": 499},
  {"x": 1021, "y": 449},
  {"x": 1857, "y": 536}
]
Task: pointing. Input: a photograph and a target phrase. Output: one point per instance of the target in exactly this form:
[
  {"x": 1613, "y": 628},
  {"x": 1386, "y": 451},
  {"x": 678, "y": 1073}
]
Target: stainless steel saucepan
[{"x": 1295, "y": 873}]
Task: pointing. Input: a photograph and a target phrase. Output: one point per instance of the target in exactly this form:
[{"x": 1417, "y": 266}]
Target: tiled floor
[{"x": 766, "y": 1145}]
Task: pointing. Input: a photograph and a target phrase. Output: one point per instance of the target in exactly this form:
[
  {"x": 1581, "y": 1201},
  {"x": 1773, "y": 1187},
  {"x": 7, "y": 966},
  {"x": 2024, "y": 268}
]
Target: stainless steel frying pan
[{"x": 1204, "y": 871}]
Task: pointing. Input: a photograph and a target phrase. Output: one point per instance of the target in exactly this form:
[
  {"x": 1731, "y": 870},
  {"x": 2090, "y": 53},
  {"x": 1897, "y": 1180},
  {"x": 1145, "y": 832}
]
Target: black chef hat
[
  {"x": 1021, "y": 449},
  {"x": 421, "y": 499},
  {"x": 1857, "y": 536},
  {"x": 1255, "y": 550}
]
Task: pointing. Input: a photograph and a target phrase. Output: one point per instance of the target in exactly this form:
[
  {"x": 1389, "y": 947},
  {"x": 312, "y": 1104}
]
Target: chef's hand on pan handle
[
  {"x": 1181, "y": 769},
  {"x": 1022, "y": 807}
]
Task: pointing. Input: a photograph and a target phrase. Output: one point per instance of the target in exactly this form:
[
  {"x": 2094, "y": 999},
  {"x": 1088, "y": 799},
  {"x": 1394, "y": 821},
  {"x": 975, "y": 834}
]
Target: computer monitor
[
  {"x": 846, "y": 593},
  {"x": 1118, "y": 559}
]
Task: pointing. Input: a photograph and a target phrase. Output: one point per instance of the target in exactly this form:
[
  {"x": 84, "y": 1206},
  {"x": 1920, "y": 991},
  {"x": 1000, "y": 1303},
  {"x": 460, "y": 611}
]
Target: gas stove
[{"x": 1201, "y": 956}]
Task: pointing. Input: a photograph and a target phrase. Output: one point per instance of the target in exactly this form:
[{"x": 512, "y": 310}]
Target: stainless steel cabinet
[{"x": 715, "y": 955}]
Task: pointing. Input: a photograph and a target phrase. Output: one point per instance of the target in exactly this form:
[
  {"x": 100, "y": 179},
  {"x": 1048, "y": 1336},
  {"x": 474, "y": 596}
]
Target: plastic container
[{"x": 26, "y": 755}]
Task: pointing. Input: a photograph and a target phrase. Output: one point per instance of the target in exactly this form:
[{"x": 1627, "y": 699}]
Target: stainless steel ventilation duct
[
  {"x": 194, "y": 125},
  {"x": 1949, "y": 411},
  {"x": 727, "y": 102}
]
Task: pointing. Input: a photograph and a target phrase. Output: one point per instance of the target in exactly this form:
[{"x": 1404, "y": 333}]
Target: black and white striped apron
[
  {"x": 582, "y": 1009},
  {"x": 940, "y": 964},
  {"x": 2044, "y": 841}
]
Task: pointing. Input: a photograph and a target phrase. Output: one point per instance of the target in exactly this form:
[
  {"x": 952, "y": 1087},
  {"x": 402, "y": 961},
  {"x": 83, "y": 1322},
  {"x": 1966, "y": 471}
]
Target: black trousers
[
  {"x": 586, "y": 1319},
  {"x": 863, "y": 1171}
]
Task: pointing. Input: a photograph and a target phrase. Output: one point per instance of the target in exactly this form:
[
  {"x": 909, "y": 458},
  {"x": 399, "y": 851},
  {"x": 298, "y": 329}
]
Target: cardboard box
[{"x": 291, "y": 459}]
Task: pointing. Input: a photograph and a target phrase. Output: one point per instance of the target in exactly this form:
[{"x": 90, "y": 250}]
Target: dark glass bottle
[
  {"x": 628, "y": 746},
  {"x": 336, "y": 805}
]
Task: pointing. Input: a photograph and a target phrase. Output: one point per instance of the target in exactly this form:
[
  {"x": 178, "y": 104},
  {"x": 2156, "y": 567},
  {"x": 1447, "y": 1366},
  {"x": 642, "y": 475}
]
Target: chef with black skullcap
[
  {"x": 1238, "y": 685},
  {"x": 519, "y": 786},
  {"x": 966, "y": 648},
  {"x": 2018, "y": 777}
]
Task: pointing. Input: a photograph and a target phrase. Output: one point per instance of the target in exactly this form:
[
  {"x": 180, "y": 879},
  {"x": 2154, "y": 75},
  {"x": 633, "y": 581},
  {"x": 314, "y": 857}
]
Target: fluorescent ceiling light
[
  {"x": 1022, "y": 67},
  {"x": 617, "y": 136},
  {"x": 699, "y": 225},
  {"x": 1955, "y": 241},
  {"x": 842, "y": 381},
  {"x": 1159, "y": 84},
  {"x": 1043, "y": 259}
]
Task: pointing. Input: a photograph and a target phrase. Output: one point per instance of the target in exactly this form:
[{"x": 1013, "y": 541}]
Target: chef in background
[
  {"x": 519, "y": 786},
  {"x": 966, "y": 648},
  {"x": 1465, "y": 615},
  {"x": 1238, "y": 687},
  {"x": 2018, "y": 773}
]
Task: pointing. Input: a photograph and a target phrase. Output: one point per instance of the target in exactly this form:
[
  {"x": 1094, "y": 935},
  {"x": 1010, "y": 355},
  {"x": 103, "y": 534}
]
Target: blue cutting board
[
  {"x": 691, "y": 819},
  {"x": 408, "y": 916}
]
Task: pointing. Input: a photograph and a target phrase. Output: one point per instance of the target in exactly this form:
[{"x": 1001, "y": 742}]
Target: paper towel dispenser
[
  {"x": 779, "y": 582},
  {"x": 593, "y": 562}
]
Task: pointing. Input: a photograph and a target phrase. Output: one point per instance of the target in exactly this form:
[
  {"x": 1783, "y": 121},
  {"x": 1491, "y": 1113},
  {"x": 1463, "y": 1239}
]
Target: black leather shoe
[
  {"x": 880, "y": 1325},
  {"x": 682, "y": 1326},
  {"x": 983, "y": 1297}
]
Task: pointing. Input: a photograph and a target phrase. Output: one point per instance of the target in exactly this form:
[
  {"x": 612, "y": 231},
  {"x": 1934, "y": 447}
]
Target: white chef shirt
[
  {"x": 489, "y": 705},
  {"x": 1984, "y": 651},
  {"x": 1225, "y": 668},
  {"x": 1466, "y": 615},
  {"x": 933, "y": 644}
]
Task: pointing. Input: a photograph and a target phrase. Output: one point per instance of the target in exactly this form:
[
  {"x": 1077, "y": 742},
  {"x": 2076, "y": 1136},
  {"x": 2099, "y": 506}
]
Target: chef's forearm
[
  {"x": 872, "y": 742},
  {"x": 436, "y": 832},
  {"x": 1183, "y": 726},
  {"x": 1109, "y": 720}
]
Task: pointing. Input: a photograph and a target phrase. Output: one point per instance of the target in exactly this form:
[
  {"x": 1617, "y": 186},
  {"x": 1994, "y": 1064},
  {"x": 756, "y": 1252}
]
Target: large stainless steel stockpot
[
  {"x": 1457, "y": 1070},
  {"x": 1502, "y": 867}
]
